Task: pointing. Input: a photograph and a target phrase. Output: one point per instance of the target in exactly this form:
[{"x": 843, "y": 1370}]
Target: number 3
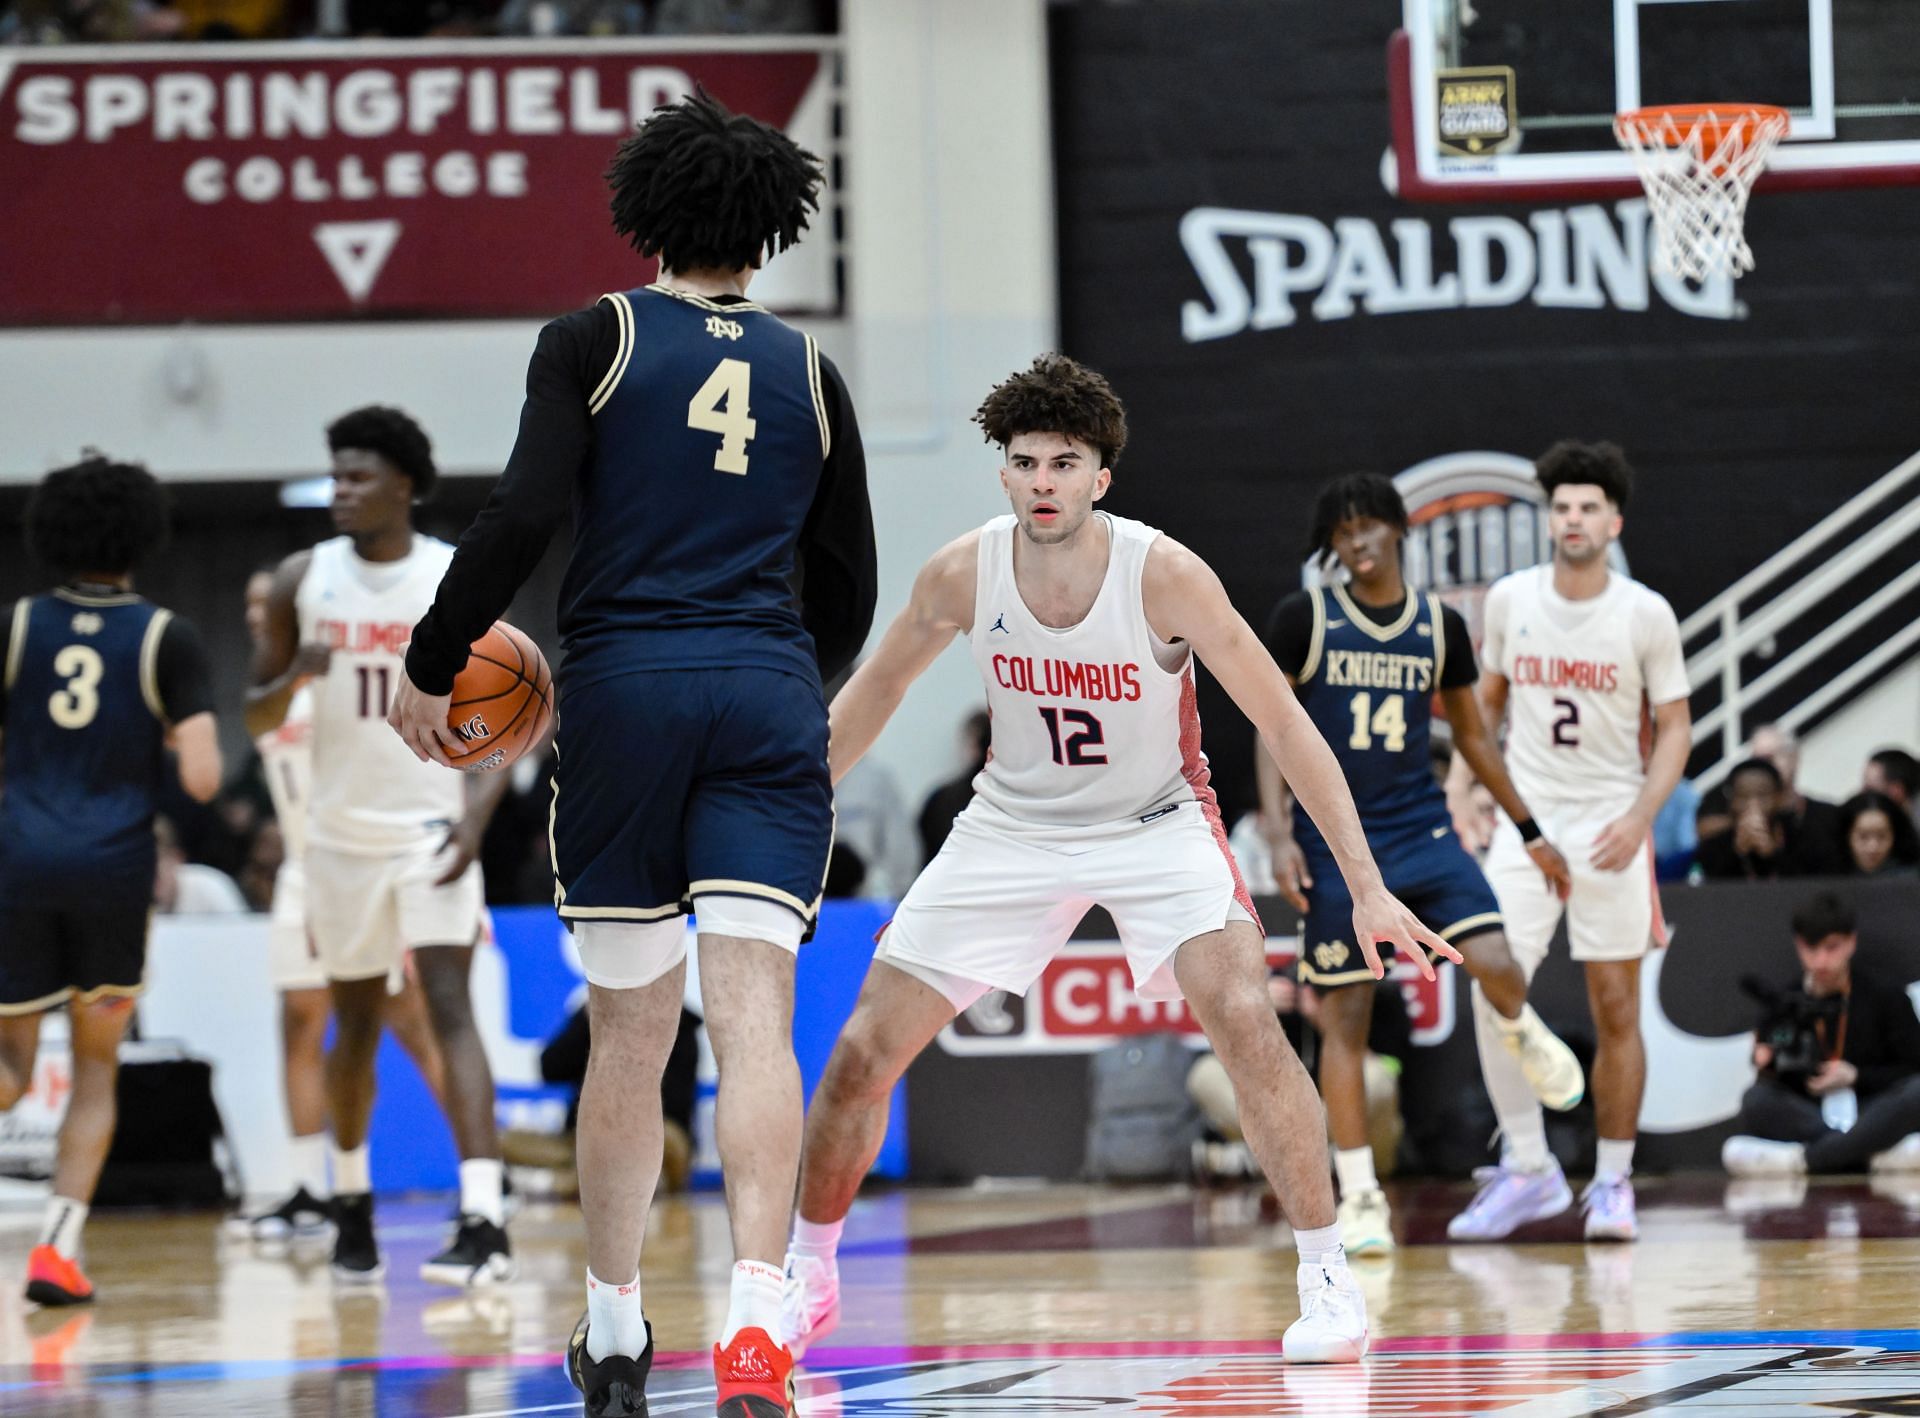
[
  {"x": 75, "y": 706},
  {"x": 721, "y": 407}
]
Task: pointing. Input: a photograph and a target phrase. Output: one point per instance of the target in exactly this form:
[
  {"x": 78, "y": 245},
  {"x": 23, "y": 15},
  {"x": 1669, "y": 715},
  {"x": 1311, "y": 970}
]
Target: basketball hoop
[{"x": 1699, "y": 161}]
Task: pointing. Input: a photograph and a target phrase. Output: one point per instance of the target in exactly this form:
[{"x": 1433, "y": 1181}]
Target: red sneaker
[
  {"x": 753, "y": 1377},
  {"x": 52, "y": 1279}
]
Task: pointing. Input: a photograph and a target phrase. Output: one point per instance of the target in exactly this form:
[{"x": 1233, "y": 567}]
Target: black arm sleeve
[
  {"x": 183, "y": 672},
  {"x": 1290, "y": 632},
  {"x": 6, "y": 647},
  {"x": 534, "y": 495},
  {"x": 1462, "y": 668},
  {"x": 839, "y": 572}
]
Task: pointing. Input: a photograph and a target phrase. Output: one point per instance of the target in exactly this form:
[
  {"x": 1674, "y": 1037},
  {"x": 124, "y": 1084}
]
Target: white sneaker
[
  {"x": 1903, "y": 1156},
  {"x": 1332, "y": 1328},
  {"x": 1365, "y": 1227},
  {"x": 809, "y": 1301},
  {"x": 1758, "y": 1157},
  {"x": 1550, "y": 1067}
]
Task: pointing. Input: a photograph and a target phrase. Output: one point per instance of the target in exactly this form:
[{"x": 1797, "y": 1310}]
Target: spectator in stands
[
  {"x": 1896, "y": 773},
  {"x": 1765, "y": 841},
  {"x": 1839, "y": 1058},
  {"x": 1815, "y": 823},
  {"x": 557, "y": 17},
  {"x": 947, "y": 801},
  {"x": 1878, "y": 838},
  {"x": 262, "y": 867},
  {"x": 184, "y": 888},
  {"x": 738, "y": 17},
  {"x": 1676, "y": 833}
]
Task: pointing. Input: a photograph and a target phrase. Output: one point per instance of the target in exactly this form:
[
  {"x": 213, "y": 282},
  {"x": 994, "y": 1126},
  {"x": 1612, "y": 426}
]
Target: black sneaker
[
  {"x": 479, "y": 1255},
  {"x": 356, "y": 1255},
  {"x": 616, "y": 1387},
  {"x": 300, "y": 1216}
]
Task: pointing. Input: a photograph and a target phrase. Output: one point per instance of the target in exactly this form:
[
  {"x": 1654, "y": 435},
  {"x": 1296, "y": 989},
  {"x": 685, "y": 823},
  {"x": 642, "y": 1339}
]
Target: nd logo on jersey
[
  {"x": 724, "y": 329},
  {"x": 1331, "y": 956}
]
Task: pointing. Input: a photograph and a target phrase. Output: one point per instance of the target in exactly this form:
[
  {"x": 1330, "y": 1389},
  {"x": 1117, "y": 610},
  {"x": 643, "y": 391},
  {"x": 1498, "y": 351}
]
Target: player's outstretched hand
[
  {"x": 1290, "y": 872},
  {"x": 421, "y": 721},
  {"x": 1619, "y": 842},
  {"x": 1379, "y": 916},
  {"x": 1552, "y": 866}
]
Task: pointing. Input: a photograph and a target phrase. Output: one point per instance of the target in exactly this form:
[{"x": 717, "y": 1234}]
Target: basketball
[{"x": 502, "y": 701}]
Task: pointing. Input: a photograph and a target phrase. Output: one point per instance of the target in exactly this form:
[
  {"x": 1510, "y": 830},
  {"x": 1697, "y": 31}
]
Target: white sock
[
  {"x": 754, "y": 1302},
  {"x": 615, "y": 1324},
  {"x": 818, "y": 1240},
  {"x": 1613, "y": 1159},
  {"x": 480, "y": 1189},
  {"x": 1354, "y": 1167},
  {"x": 1521, "y": 1120},
  {"x": 352, "y": 1172},
  {"x": 61, "y": 1229},
  {"x": 1320, "y": 1245},
  {"x": 309, "y": 1156},
  {"x": 1513, "y": 1025}
]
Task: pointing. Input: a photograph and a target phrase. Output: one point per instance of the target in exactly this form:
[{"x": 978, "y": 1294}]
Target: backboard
[{"x": 1497, "y": 100}]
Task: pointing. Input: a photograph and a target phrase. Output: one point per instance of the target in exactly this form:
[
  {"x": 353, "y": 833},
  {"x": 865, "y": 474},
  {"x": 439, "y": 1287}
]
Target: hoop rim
[{"x": 1670, "y": 124}]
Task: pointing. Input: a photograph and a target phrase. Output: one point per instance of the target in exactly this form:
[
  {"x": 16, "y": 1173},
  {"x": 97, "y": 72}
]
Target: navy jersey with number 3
[
  {"x": 84, "y": 745},
  {"x": 709, "y": 434}
]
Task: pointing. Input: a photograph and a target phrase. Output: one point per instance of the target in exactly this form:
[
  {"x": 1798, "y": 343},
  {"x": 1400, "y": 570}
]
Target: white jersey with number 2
[
  {"x": 1579, "y": 674},
  {"x": 371, "y": 796}
]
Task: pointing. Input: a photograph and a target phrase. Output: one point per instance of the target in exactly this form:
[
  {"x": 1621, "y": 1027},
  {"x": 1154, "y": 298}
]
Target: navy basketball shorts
[
  {"x": 54, "y": 952},
  {"x": 1427, "y": 869},
  {"x": 674, "y": 784}
]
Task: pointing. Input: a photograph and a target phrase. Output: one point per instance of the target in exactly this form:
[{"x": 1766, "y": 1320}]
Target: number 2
[
  {"x": 1388, "y": 722},
  {"x": 75, "y": 706},
  {"x": 721, "y": 407},
  {"x": 1566, "y": 728}
]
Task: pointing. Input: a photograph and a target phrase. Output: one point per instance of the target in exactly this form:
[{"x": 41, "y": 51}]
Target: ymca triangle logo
[{"x": 357, "y": 251}]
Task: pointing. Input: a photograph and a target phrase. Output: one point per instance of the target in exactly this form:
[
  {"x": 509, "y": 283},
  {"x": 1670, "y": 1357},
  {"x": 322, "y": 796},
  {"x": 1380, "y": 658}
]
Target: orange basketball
[{"x": 502, "y": 700}]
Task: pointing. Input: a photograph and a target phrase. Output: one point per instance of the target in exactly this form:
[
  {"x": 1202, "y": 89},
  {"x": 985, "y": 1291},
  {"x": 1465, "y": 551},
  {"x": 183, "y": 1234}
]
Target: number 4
[{"x": 721, "y": 407}]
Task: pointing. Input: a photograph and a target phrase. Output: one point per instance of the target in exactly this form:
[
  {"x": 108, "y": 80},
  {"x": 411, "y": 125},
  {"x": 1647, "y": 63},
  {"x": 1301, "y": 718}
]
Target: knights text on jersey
[
  {"x": 1579, "y": 675},
  {"x": 1369, "y": 687},
  {"x": 1088, "y": 729},
  {"x": 370, "y": 795}
]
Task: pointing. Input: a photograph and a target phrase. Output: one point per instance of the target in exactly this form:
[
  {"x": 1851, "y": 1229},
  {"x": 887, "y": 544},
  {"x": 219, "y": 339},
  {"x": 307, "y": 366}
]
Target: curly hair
[
  {"x": 703, "y": 188},
  {"x": 394, "y": 436},
  {"x": 1602, "y": 464},
  {"x": 1056, "y": 394},
  {"x": 1353, "y": 495},
  {"x": 96, "y": 516}
]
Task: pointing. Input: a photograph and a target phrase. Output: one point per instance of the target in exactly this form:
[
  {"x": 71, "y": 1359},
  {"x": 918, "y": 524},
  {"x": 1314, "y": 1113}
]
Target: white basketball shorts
[
  {"x": 366, "y": 912},
  {"x": 296, "y": 964},
  {"x": 996, "y": 905},
  {"x": 1611, "y": 915}
]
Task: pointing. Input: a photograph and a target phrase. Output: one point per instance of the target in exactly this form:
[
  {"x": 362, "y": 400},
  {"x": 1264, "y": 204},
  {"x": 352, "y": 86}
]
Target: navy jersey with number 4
[
  {"x": 84, "y": 746},
  {"x": 710, "y": 430}
]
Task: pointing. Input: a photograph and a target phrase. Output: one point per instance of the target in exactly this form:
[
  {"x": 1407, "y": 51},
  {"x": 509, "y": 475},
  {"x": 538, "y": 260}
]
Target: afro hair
[
  {"x": 97, "y": 516},
  {"x": 1056, "y": 394},
  {"x": 1600, "y": 464},
  {"x": 394, "y": 436}
]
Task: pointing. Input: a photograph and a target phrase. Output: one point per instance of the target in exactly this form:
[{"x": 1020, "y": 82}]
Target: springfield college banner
[{"x": 281, "y": 182}]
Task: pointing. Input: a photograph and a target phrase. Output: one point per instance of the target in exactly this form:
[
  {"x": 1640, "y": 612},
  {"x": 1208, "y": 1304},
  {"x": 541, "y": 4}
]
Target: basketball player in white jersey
[
  {"x": 286, "y": 761},
  {"x": 1576, "y": 655},
  {"x": 392, "y": 841},
  {"x": 1085, "y": 628}
]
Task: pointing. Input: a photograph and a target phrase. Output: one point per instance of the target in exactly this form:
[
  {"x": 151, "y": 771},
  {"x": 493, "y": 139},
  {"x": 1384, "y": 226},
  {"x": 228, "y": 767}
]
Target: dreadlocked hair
[
  {"x": 1352, "y": 495},
  {"x": 96, "y": 516},
  {"x": 1056, "y": 394},
  {"x": 392, "y": 434},
  {"x": 703, "y": 188},
  {"x": 1601, "y": 464}
]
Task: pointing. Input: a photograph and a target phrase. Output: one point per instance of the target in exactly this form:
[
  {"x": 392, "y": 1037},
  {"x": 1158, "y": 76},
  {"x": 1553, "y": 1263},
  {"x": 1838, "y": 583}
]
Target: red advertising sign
[{"x": 282, "y": 182}]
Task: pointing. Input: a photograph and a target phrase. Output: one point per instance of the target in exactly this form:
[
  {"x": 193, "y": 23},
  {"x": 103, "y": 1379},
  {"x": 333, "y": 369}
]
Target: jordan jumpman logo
[{"x": 999, "y": 624}]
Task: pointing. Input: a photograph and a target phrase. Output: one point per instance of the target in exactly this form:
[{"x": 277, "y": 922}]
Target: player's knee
[
  {"x": 862, "y": 1066},
  {"x": 1240, "y": 1014}
]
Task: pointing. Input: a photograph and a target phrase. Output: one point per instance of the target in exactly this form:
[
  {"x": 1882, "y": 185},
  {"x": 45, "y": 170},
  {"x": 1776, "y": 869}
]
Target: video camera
[{"x": 1792, "y": 1027}]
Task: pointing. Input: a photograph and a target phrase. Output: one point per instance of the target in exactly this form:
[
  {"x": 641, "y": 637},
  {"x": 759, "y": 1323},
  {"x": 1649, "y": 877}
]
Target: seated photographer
[{"x": 1839, "y": 1058}]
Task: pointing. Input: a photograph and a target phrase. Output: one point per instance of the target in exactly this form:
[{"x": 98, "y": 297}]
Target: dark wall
[{"x": 1744, "y": 430}]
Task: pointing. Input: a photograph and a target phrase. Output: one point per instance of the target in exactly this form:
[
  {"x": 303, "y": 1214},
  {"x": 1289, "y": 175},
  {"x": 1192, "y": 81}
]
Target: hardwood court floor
[{"x": 1739, "y": 1299}]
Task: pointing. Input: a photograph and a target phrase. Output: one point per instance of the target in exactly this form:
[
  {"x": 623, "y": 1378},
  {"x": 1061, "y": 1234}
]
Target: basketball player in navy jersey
[
  {"x": 98, "y": 685},
  {"x": 1085, "y": 628},
  {"x": 703, "y": 447},
  {"x": 1367, "y": 658},
  {"x": 391, "y": 842}
]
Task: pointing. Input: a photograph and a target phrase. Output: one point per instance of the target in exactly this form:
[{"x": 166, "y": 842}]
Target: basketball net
[{"x": 1699, "y": 164}]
